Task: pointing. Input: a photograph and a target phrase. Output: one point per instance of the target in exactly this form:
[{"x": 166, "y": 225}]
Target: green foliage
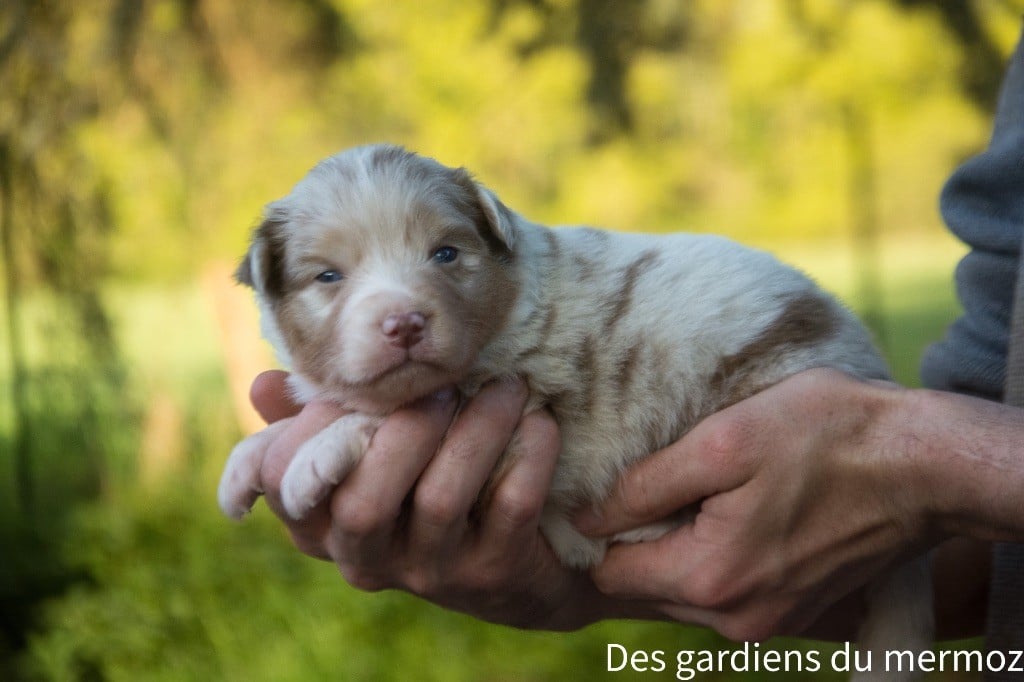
[
  {"x": 180, "y": 594},
  {"x": 705, "y": 115}
]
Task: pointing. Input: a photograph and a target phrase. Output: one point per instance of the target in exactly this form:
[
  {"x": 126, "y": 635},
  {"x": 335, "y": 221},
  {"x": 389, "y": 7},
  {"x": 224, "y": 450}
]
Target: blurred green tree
[{"x": 72, "y": 418}]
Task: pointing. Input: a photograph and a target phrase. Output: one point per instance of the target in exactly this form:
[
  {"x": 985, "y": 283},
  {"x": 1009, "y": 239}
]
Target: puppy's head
[{"x": 382, "y": 275}]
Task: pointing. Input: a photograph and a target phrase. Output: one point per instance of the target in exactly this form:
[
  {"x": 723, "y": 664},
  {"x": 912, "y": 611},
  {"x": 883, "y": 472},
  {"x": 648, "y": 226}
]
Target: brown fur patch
[
  {"x": 268, "y": 247},
  {"x": 584, "y": 267},
  {"x": 623, "y": 298},
  {"x": 596, "y": 235},
  {"x": 807, "y": 319},
  {"x": 548, "y": 318},
  {"x": 587, "y": 366},
  {"x": 554, "y": 250},
  {"x": 464, "y": 196},
  {"x": 625, "y": 369}
]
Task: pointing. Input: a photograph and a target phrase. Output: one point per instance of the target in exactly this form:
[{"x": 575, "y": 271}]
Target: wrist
[
  {"x": 901, "y": 464},
  {"x": 970, "y": 463}
]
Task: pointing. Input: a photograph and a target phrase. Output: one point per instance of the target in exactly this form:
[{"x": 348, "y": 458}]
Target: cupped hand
[
  {"x": 806, "y": 494},
  {"x": 411, "y": 516}
]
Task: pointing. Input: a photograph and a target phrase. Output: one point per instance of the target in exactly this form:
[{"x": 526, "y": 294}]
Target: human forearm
[{"x": 969, "y": 460}]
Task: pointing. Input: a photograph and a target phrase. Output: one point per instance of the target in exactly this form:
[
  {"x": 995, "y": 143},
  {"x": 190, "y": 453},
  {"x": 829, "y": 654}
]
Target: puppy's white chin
[
  {"x": 398, "y": 385},
  {"x": 374, "y": 367}
]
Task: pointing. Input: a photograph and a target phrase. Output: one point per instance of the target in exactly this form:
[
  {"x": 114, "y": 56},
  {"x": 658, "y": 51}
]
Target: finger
[
  {"x": 452, "y": 481},
  {"x": 367, "y": 504},
  {"x": 308, "y": 532},
  {"x": 649, "y": 571},
  {"x": 714, "y": 457},
  {"x": 515, "y": 508},
  {"x": 655, "y": 572},
  {"x": 313, "y": 419},
  {"x": 271, "y": 397}
]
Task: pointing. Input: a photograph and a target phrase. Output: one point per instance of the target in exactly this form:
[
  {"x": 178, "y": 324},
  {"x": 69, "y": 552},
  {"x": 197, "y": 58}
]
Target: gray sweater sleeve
[{"x": 983, "y": 205}]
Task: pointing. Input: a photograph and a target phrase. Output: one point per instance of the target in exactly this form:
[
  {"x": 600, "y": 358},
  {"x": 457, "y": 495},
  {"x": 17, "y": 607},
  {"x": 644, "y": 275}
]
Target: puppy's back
[{"x": 631, "y": 339}]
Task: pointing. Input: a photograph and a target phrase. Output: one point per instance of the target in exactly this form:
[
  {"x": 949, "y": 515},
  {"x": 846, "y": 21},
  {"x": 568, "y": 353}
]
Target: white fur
[
  {"x": 240, "y": 484},
  {"x": 323, "y": 461}
]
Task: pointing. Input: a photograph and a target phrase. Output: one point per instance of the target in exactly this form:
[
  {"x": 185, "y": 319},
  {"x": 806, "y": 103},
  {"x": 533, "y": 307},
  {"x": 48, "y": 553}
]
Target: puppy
[{"x": 385, "y": 276}]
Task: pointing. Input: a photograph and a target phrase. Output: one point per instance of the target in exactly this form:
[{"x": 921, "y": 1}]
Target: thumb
[
  {"x": 271, "y": 397},
  {"x": 709, "y": 459}
]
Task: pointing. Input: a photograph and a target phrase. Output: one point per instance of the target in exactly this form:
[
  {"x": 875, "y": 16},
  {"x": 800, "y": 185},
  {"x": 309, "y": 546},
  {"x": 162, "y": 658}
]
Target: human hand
[
  {"x": 407, "y": 517},
  {"x": 807, "y": 492}
]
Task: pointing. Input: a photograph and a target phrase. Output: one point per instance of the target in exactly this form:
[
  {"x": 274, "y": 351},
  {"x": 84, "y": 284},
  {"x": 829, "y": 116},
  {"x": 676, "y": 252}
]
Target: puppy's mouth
[
  {"x": 396, "y": 383},
  {"x": 404, "y": 367},
  {"x": 398, "y": 367}
]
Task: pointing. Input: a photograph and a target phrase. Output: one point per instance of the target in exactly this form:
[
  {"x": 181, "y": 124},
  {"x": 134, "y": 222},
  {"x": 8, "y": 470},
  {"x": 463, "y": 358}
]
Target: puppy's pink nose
[{"x": 404, "y": 329}]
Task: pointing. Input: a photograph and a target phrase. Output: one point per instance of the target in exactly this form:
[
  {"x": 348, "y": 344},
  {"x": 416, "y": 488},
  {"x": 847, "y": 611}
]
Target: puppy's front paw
[
  {"x": 574, "y": 549},
  {"x": 240, "y": 483},
  {"x": 323, "y": 461}
]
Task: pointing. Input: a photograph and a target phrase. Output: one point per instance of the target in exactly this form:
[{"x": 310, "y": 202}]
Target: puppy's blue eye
[
  {"x": 446, "y": 254},
  {"x": 329, "y": 276}
]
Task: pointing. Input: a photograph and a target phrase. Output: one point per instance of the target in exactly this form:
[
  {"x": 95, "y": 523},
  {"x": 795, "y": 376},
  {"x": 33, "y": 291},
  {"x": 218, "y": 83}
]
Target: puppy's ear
[
  {"x": 262, "y": 267},
  {"x": 243, "y": 273},
  {"x": 501, "y": 219},
  {"x": 499, "y": 222}
]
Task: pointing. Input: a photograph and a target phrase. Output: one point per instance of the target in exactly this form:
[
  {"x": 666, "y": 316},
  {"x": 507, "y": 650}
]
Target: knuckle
[
  {"x": 421, "y": 581},
  {"x": 362, "y": 579},
  {"x": 435, "y": 508},
  {"x": 518, "y": 507},
  {"x": 309, "y": 545},
  {"x": 357, "y": 517},
  {"x": 710, "y": 590},
  {"x": 728, "y": 440}
]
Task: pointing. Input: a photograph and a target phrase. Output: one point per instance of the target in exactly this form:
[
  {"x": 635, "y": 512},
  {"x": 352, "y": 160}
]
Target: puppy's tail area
[{"x": 900, "y": 619}]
